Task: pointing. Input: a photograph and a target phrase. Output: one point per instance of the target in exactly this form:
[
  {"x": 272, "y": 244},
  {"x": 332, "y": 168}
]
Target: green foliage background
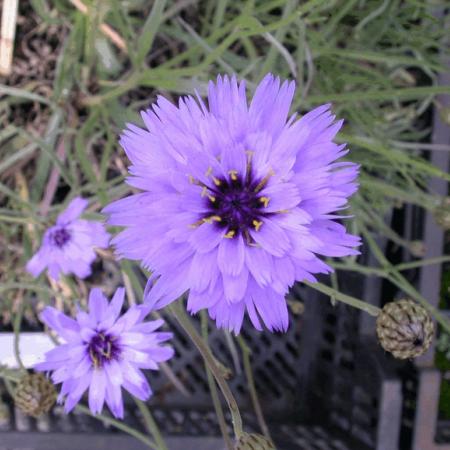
[{"x": 377, "y": 61}]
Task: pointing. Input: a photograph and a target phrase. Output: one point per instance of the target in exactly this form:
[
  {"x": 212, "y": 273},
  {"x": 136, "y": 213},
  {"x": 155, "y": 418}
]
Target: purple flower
[
  {"x": 68, "y": 246},
  {"x": 104, "y": 352},
  {"x": 238, "y": 200}
]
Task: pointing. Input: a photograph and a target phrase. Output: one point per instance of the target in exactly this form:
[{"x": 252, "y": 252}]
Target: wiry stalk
[
  {"x": 251, "y": 386},
  {"x": 213, "y": 390},
  {"x": 179, "y": 313}
]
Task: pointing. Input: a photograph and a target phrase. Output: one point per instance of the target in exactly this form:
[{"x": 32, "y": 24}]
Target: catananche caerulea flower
[
  {"x": 103, "y": 352},
  {"x": 238, "y": 200},
  {"x": 68, "y": 246}
]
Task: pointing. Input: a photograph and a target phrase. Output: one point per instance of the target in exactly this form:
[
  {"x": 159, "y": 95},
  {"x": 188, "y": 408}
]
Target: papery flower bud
[
  {"x": 253, "y": 442},
  {"x": 444, "y": 112},
  {"x": 35, "y": 394},
  {"x": 417, "y": 248},
  {"x": 405, "y": 329},
  {"x": 442, "y": 214}
]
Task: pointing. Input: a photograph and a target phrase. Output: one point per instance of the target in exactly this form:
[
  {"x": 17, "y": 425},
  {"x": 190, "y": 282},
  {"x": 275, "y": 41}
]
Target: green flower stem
[
  {"x": 394, "y": 276},
  {"x": 151, "y": 424},
  {"x": 119, "y": 425},
  {"x": 422, "y": 262},
  {"x": 401, "y": 282},
  {"x": 347, "y": 299},
  {"x": 9, "y": 376},
  {"x": 16, "y": 325},
  {"x": 246, "y": 352},
  {"x": 179, "y": 313},
  {"x": 213, "y": 390}
]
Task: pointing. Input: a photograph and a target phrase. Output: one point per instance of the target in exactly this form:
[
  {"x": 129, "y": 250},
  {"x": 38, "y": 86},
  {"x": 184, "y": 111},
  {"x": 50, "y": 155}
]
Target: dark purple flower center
[
  {"x": 60, "y": 237},
  {"x": 103, "y": 348},
  {"x": 236, "y": 204}
]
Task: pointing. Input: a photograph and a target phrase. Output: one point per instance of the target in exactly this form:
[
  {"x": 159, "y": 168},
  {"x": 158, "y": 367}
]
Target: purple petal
[
  {"x": 97, "y": 391},
  {"x": 114, "y": 400},
  {"x": 231, "y": 256},
  {"x": 97, "y": 304},
  {"x": 37, "y": 263},
  {"x": 134, "y": 382},
  {"x": 66, "y": 327},
  {"x": 272, "y": 238},
  {"x": 76, "y": 389},
  {"x": 74, "y": 210}
]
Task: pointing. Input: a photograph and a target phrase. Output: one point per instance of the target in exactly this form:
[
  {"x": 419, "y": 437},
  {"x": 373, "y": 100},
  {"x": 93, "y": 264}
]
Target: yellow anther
[
  {"x": 208, "y": 172},
  {"x": 107, "y": 354},
  {"x": 233, "y": 174},
  {"x": 264, "y": 181},
  {"x": 212, "y": 219},
  {"x": 265, "y": 201},
  {"x": 230, "y": 234},
  {"x": 209, "y": 219},
  {"x": 217, "y": 182},
  {"x": 196, "y": 224},
  {"x": 94, "y": 358},
  {"x": 204, "y": 191},
  {"x": 257, "y": 224},
  {"x": 191, "y": 179},
  {"x": 212, "y": 198}
]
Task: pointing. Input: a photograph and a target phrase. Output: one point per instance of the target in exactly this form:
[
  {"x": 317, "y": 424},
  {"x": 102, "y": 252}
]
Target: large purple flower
[
  {"x": 238, "y": 201},
  {"x": 104, "y": 352},
  {"x": 68, "y": 246}
]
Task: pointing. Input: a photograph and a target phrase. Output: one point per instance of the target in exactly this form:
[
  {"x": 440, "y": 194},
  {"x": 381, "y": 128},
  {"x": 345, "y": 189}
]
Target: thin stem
[
  {"x": 213, "y": 390},
  {"x": 151, "y": 424},
  {"x": 16, "y": 325},
  {"x": 204, "y": 350},
  {"x": 401, "y": 282},
  {"x": 9, "y": 386},
  {"x": 347, "y": 299},
  {"x": 233, "y": 350},
  {"x": 9, "y": 376},
  {"x": 251, "y": 386},
  {"x": 120, "y": 425},
  {"x": 422, "y": 262}
]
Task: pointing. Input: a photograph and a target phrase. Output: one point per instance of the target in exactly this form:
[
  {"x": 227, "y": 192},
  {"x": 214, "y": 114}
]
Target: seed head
[
  {"x": 442, "y": 214},
  {"x": 35, "y": 394},
  {"x": 405, "y": 329},
  {"x": 253, "y": 442}
]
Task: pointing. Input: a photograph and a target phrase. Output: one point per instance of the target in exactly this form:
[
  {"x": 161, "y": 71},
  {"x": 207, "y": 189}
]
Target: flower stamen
[
  {"x": 264, "y": 181},
  {"x": 233, "y": 174},
  {"x": 257, "y": 224},
  {"x": 265, "y": 201},
  {"x": 230, "y": 234},
  {"x": 212, "y": 219}
]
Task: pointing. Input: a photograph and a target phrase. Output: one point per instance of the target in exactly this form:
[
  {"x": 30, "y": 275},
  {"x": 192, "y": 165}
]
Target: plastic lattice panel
[
  {"x": 311, "y": 438},
  {"x": 275, "y": 358},
  {"x": 338, "y": 385}
]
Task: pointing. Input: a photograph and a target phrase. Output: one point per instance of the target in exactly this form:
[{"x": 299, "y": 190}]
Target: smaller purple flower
[
  {"x": 104, "y": 352},
  {"x": 68, "y": 246}
]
